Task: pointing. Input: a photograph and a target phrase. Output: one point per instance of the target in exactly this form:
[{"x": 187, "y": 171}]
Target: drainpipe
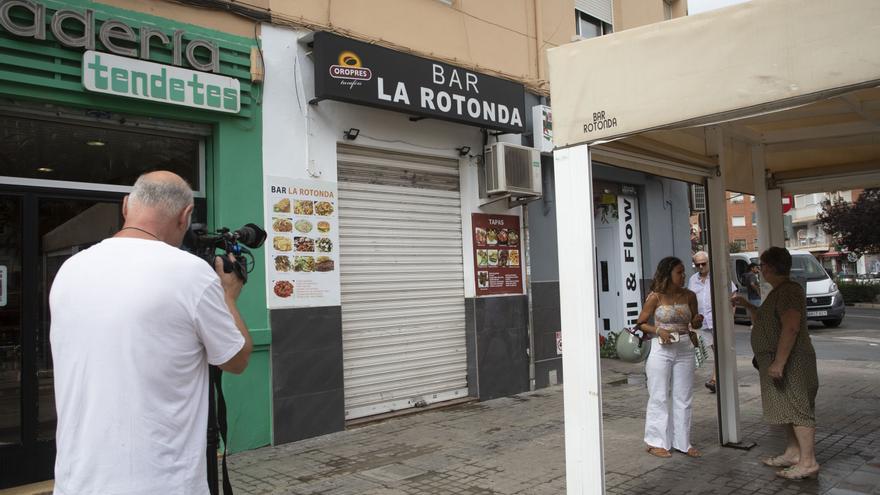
[
  {"x": 528, "y": 266},
  {"x": 539, "y": 39}
]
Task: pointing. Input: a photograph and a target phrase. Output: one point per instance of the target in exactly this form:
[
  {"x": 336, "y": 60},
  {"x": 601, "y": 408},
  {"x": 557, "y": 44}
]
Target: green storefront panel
[{"x": 45, "y": 71}]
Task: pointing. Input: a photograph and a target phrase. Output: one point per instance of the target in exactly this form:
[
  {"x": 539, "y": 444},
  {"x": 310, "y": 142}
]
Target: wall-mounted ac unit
[
  {"x": 513, "y": 170},
  {"x": 698, "y": 198}
]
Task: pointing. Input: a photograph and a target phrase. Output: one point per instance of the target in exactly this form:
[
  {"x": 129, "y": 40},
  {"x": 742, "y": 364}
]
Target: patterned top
[
  {"x": 673, "y": 317},
  {"x": 791, "y": 400}
]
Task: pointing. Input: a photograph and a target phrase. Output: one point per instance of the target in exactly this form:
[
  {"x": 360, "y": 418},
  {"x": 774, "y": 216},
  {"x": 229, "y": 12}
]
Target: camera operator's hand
[{"x": 231, "y": 283}]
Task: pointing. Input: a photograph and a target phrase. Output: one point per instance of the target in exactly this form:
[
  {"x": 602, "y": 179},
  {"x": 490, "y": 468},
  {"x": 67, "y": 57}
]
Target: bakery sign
[
  {"x": 356, "y": 72},
  {"x": 117, "y": 56}
]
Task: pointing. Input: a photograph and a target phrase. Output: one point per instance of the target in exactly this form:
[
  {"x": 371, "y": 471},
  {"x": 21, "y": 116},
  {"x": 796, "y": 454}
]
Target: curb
[{"x": 866, "y": 305}]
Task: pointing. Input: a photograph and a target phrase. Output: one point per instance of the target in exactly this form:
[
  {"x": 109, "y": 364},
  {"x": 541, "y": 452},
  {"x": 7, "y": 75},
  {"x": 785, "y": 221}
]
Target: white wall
[{"x": 298, "y": 136}]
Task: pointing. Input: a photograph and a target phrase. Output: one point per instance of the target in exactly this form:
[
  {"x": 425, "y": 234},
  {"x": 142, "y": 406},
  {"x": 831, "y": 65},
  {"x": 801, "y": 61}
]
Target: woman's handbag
[{"x": 632, "y": 347}]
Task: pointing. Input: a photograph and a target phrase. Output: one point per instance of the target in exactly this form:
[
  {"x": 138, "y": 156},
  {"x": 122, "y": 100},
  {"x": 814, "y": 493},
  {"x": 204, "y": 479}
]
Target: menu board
[
  {"x": 497, "y": 254},
  {"x": 302, "y": 250}
]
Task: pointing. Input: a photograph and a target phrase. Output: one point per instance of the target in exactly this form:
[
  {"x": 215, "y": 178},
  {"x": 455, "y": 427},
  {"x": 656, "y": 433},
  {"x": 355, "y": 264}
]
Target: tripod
[{"x": 216, "y": 430}]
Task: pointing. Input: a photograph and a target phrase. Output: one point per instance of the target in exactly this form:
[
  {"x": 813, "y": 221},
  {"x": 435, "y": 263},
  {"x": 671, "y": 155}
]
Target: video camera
[{"x": 205, "y": 244}]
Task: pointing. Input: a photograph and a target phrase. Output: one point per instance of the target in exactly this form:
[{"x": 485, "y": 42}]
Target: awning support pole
[
  {"x": 584, "y": 464},
  {"x": 725, "y": 338},
  {"x": 768, "y": 203}
]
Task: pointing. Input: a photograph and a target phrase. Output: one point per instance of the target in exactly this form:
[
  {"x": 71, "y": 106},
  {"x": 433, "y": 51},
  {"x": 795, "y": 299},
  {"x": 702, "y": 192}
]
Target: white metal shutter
[
  {"x": 403, "y": 323},
  {"x": 600, "y": 9}
]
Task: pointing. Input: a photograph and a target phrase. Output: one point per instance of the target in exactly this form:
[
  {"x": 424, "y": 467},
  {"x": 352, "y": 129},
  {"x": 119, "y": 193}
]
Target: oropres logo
[{"x": 350, "y": 67}]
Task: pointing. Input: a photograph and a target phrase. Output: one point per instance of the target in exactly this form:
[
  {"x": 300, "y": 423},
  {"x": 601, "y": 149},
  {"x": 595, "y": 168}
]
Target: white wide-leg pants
[{"x": 670, "y": 370}]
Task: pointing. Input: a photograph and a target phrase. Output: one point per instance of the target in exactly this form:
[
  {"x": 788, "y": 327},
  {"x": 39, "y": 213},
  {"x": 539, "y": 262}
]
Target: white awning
[{"x": 799, "y": 78}]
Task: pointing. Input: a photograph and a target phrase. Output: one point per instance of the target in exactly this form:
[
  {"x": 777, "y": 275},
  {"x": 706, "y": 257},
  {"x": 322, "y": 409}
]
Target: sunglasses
[{"x": 701, "y": 264}]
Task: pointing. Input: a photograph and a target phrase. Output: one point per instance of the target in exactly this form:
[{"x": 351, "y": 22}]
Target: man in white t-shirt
[
  {"x": 701, "y": 284},
  {"x": 135, "y": 323}
]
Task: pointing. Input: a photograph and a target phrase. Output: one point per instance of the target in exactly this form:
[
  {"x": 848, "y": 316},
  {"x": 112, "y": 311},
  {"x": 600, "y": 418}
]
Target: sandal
[
  {"x": 658, "y": 452},
  {"x": 778, "y": 462},
  {"x": 796, "y": 473},
  {"x": 692, "y": 452},
  {"x": 710, "y": 384}
]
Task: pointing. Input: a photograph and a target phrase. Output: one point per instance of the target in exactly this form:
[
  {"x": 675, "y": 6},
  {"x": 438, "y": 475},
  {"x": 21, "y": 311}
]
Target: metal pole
[
  {"x": 528, "y": 270},
  {"x": 582, "y": 386}
]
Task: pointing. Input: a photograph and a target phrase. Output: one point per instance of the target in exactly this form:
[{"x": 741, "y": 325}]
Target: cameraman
[{"x": 135, "y": 323}]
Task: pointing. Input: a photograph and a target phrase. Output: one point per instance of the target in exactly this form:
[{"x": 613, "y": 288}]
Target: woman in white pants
[{"x": 670, "y": 366}]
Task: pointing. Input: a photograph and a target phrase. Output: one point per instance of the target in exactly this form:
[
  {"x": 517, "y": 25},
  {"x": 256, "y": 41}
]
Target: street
[
  {"x": 515, "y": 445},
  {"x": 856, "y": 339}
]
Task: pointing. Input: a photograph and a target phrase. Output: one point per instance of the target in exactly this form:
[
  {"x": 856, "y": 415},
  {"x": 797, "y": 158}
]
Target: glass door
[
  {"x": 38, "y": 232},
  {"x": 10, "y": 319}
]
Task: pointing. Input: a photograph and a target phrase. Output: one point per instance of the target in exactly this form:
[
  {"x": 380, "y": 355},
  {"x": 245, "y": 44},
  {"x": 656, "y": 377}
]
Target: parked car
[{"x": 824, "y": 300}]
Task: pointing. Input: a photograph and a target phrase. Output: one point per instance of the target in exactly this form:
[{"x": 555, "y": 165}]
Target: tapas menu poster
[
  {"x": 497, "y": 254},
  {"x": 302, "y": 255}
]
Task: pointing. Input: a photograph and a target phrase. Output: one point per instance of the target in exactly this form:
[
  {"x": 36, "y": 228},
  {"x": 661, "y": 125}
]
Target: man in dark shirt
[{"x": 753, "y": 287}]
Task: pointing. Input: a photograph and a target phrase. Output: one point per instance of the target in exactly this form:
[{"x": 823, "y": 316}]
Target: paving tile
[{"x": 515, "y": 446}]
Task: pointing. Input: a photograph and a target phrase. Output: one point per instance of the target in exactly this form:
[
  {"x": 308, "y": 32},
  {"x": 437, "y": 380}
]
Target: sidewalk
[{"x": 515, "y": 445}]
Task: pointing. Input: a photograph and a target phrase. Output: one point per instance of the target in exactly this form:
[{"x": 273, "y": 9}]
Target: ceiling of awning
[{"x": 767, "y": 77}]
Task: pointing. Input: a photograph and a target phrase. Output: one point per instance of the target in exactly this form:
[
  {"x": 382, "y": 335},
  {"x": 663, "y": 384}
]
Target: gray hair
[
  {"x": 700, "y": 254},
  {"x": 169, "y": 197}
]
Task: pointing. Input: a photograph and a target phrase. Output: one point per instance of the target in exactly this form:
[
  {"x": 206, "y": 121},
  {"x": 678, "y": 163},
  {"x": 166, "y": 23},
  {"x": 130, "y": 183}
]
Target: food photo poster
[
  {"x": 497, "y": 254},
  {"x": 302, "y": 249}
]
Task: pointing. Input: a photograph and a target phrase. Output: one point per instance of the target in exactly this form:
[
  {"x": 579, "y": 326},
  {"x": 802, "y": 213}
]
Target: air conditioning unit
[
  {"x": 698, "y": 198},
  {"x": 513, "y": 170}
]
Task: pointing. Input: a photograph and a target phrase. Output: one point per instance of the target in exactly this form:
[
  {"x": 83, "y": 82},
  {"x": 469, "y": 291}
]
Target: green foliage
[
  {"x": 854, "y": 226},
  {"x": 608, "y": 348},
  {"x": 733, "y": 248},
  {"x": 855, "y": 293}
]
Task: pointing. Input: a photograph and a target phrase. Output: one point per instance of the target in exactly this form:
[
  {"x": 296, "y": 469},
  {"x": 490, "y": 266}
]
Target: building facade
[
  {"x": 742, "y": 221},
  {"x": 392, "y": 278},
  {"x": 808, "y": 235},
  {"x": 92, "y": 96}
]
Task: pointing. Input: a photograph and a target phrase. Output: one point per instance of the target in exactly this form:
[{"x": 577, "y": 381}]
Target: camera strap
[{"x": 221, "y": 424}]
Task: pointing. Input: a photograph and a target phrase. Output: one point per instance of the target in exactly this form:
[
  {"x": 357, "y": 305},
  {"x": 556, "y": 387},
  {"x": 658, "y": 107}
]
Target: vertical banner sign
[
  {"x": 630, "y": 255},
  {"x": 302, "y": 261},
  {"x": 497, "y": 254}
]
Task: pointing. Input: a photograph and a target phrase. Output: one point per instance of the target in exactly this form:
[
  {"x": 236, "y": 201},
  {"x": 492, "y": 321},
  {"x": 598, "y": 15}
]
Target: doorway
[
  {"x": 63, "y": 174},
  {"x": 40, "y": 230}
]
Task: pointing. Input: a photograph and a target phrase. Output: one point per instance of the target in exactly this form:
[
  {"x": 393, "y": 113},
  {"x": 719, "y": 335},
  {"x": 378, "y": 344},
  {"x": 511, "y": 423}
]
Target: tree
[
  {"x": 734, "y": 247},
  {"x": 854, "y": 226}
]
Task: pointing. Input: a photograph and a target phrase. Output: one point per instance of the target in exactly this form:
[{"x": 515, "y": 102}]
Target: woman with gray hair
[{"x": 786, "y": 364}]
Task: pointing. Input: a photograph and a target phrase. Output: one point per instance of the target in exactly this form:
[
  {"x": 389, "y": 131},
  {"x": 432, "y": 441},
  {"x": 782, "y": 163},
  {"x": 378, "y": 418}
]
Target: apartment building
[{"x": 742, "y": 221}]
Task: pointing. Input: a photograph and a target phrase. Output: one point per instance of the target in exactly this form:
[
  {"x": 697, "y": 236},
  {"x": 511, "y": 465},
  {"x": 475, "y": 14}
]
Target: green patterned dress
[{"x": 793, "y": 399}]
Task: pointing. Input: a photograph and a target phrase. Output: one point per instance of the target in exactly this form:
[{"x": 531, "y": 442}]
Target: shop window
[
  {"x": 42, "y": 151},
  {"x": 738, "y": 221}
]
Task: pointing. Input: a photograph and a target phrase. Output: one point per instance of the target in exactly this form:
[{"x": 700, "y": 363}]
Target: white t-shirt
[
  {"x": 134, "y": 325},
  {"x": 703, "y": 290}
]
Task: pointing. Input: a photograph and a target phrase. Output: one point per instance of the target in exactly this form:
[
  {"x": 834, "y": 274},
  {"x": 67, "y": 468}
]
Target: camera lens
[{"x": 251, "y": 235}]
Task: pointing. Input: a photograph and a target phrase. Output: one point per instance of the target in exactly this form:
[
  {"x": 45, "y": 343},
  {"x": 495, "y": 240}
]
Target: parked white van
[{"x": 824, "y": 301}]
